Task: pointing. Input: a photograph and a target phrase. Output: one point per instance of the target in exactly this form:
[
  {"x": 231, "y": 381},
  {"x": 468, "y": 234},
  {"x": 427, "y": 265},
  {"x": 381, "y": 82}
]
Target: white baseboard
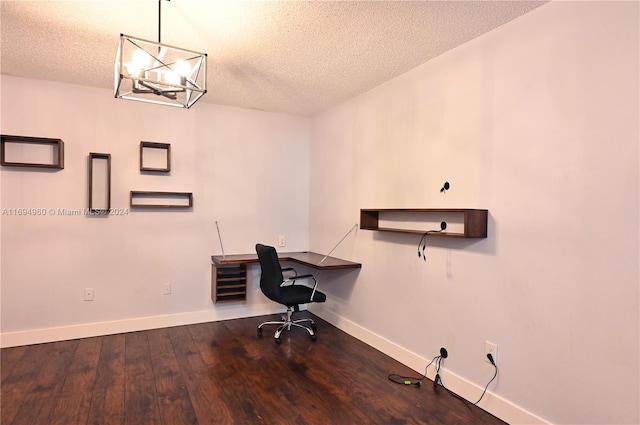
[
  {"x": 492, "y": 403},
  {"x": 62, "y": 333}
]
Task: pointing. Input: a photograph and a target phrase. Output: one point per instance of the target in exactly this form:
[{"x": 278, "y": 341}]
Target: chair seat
[{"x": 299, "y": 294}]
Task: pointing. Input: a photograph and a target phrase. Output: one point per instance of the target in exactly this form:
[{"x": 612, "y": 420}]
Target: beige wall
[
  {"x": 248, "y": 170},
  {"x": 536, "y": 121}
]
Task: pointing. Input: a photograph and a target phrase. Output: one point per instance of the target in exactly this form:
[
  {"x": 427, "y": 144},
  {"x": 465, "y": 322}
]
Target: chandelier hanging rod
[{"x": 160, "y": 20}]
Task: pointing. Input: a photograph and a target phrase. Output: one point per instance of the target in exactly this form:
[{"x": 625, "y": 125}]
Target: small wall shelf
[
  {"x": 155, "y": 156},
  {"x": 99, "y": 182},
  {"x": 35, "y": 152},
  {"x": 142, "y": 199},
  {"x": 461, "y": 222},
  {"x": 228, "y": 283}
]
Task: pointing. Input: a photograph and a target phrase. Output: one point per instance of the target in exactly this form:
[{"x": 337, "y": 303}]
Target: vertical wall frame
[{"x": 99, "y": 182}]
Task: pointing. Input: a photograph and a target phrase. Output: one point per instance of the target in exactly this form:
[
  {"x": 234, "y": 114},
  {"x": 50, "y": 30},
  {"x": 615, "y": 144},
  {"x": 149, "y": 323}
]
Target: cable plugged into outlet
[
  {"x": 491, "y": 352},
  {"x": 417, "y": 381},
  {"x": 491, "y": 356}
]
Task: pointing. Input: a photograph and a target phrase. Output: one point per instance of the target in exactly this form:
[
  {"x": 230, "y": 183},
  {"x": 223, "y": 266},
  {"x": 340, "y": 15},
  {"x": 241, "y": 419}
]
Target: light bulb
[
  {"x": 182, "y": 68},
  {"x": 141, "y": 58},
  {"x": 133, "y": 69},
  {"x": 172, "y": 77}
]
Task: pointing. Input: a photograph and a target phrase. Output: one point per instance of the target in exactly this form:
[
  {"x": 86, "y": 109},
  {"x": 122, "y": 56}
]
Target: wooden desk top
[{"x": 306, "y": 258}]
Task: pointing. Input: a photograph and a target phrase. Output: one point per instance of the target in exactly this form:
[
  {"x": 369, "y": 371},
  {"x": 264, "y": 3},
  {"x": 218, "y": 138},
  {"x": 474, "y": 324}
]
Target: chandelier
[{"x": 152, "y": 72}]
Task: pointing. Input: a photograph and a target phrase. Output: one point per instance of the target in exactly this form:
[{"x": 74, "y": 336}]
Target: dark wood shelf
[
  {"x": 94, "y": 198},
  {"x": 136, "y": 197},
  {"x": 474, "y": 221},
  {"x": 57, "y": 145},
  {"x": 166, "y": 167},
  {"x": 237, "y": 277}
]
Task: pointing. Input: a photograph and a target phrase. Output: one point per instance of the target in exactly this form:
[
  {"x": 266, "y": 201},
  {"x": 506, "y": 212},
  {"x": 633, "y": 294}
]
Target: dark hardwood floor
[{"x": 218, "y": 373}]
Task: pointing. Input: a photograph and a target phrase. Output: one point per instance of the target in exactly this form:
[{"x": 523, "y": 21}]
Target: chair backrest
[{"x": 271, "y": 277}]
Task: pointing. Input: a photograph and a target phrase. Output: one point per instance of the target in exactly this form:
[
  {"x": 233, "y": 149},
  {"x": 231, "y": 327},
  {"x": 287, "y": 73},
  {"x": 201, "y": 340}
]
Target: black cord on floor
[
  {"x": 437, "y": 380},
  {"x": 408, "y": 380}
]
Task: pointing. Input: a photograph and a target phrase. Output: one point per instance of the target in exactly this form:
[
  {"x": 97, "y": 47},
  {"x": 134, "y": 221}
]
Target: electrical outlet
[
  {"x": 88, "y": 294},
  {"x": 166, "y": 288},
  {"x": 491, "y": 348},
  {"x": 281, "y": 241}
]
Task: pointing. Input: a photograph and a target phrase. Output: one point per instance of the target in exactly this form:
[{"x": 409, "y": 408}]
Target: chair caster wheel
[
  {"x": 313, "y": 337},
  {"x": 278, "y": 340},
  {"x": 259, "y": 332}
]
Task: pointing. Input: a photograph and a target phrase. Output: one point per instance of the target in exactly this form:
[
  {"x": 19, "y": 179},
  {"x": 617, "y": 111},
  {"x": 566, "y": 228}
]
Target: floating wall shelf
[
  {"x": 140, "y": 199},
  {"x": 155, "y": 156},
  {"x": 99, "y": 182},
  {"x": 35, "y": 152},
  {"x": 461, "y": 222}
]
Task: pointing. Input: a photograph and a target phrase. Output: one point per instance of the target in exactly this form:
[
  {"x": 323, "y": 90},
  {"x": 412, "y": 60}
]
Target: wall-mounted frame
[
  {"x": 146, "y": 199},
  {"x": 35, "y": 152},
  {"x": 155, "y": 156},
  {"x": 99, "y": 182}
]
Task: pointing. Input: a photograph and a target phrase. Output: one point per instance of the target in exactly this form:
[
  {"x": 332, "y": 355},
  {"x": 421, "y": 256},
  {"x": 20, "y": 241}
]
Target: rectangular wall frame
[
  {"x": 99, "y": 182},
  {"x": 35, "y": 152},
  {"x": 155, "y": 156},
  {"x": 147, "y": 199}
]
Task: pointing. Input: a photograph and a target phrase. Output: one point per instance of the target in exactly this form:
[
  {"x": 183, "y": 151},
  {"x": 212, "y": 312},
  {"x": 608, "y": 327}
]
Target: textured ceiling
[{"x": 283, "y": 56}]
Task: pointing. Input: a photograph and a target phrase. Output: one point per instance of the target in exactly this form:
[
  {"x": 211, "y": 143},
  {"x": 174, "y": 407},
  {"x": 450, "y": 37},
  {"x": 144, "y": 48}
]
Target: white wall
[
  {"x": 247, "y": 169},
  {"x": 536, "y": 121}
]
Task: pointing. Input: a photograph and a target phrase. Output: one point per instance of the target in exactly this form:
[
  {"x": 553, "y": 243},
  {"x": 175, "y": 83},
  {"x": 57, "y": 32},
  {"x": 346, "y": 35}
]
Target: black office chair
[{"x": 286, "y": 292}]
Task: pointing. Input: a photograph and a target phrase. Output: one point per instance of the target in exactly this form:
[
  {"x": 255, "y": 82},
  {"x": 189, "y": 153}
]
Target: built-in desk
[{"x": 229, "y": 273}]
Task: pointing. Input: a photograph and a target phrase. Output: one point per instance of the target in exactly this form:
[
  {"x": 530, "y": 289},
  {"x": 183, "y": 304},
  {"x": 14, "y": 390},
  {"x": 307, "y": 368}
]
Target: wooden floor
[{"x": 218, "y": 373}]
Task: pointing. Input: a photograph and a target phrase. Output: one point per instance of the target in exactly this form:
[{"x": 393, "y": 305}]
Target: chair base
[{"x": 286, "y": 323}]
